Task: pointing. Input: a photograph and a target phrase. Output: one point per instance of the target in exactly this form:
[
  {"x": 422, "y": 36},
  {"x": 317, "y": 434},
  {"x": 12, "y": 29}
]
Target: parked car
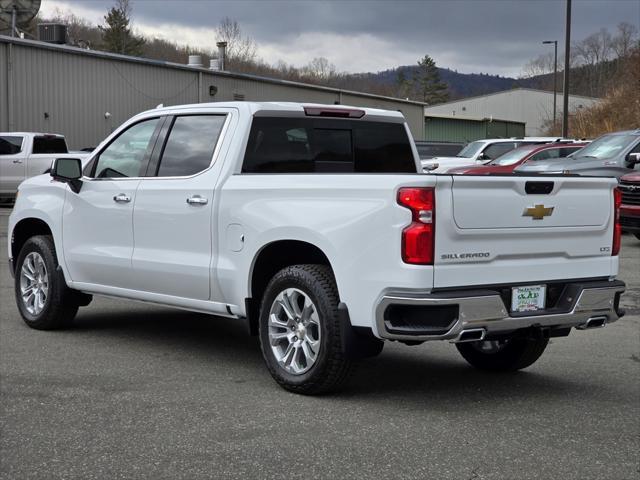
[
  {"x": 613, "y": 154},
  {"x": 312, "y": 224},
  {"x": 630, "y": 207},
  {"x": 428, "y": 149},
  {"x": 25, "y": 154},
  {"x": 481, "y": 152},
  {"x": 529, "y": 153}
]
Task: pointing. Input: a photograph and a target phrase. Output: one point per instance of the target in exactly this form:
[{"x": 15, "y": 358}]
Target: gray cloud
[{"x": 496, "y": 36}]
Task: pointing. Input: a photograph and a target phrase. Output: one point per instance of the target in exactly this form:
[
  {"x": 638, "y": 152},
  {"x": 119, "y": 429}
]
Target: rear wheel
[
  {"x": 505, "y": 355},
  {"x": 300, "y": 332},
  {"x": 43, "y": 298}
]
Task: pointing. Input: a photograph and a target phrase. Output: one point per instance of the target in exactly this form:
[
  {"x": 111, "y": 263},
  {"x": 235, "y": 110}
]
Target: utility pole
[
  {"x": 555, "y": 76},
  {"x": 565, "y": 93}
]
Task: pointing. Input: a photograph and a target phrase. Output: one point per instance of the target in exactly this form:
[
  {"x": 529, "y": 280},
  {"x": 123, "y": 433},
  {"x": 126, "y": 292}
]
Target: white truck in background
[
  {"x": 312, "y": 224},
  {"x": 27, "y": 154}
]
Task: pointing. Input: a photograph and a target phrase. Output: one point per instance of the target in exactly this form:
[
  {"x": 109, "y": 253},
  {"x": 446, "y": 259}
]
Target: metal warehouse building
[
  {"x": 531, "y": 107},
  {"x": 86, "y": 94},
  {"x": 444, "y": 128}
]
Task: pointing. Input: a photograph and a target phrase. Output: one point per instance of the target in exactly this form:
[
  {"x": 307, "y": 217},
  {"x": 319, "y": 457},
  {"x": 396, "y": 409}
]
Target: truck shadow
[{"x": 412, "y": 375}]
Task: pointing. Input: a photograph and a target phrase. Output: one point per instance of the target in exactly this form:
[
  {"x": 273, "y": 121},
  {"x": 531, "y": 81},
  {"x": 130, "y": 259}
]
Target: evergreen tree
[
  {"x": 117, "y": 36},
  {"x": 427, "y": 83}
]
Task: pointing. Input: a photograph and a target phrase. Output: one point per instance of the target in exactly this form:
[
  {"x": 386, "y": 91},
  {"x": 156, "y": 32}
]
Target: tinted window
[
  {"x": 190, "y": 145},
  {"x": 565, "y": 152},
  {"x": 10, "y": 145},
  {"x": 49, "y": 144},
  {"x": 430, "y": 150},
  {"x": 546, "y": 154},
  {"x": 127, "y": 155},
  {"x": 293, "y": 145},
  {"x": 497, "y": 149}
]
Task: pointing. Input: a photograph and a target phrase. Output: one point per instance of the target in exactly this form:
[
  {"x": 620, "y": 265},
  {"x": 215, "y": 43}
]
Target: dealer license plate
[{"x": 528, "y": 299}]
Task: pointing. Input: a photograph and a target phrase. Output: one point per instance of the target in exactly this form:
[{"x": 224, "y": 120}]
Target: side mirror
[
  {"x": 633, "y": 158},
  {"x": 68, "y": 170},
  {"x": 482, "y": 157}
]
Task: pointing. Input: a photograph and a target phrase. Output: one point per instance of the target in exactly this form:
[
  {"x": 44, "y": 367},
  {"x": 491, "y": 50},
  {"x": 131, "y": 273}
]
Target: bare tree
[
  {"x": 319, "y": 69},
  {"x": 625, "y": 39},
  {"x": 241, "y": 49}
]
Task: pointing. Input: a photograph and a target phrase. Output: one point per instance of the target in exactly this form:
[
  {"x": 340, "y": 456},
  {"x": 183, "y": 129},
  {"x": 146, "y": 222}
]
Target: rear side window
[
  {"x": 299, "y": 145},
  {"x": 190, "y": 145},
  {"x": 49, "y": 144},
  {"x": 10, "y": 145}
]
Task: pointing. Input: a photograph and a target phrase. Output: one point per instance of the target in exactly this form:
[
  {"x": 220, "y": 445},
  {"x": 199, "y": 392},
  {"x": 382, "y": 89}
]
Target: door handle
[
  {"x": 122, "y": 198},
  {"x": 17, "y": 160},
  {"x": 197, "y": 200}
]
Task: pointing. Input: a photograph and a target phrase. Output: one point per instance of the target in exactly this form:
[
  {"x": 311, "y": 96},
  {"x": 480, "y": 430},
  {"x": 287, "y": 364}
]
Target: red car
[
  {"x": 630, "y": 208},
  {"x": 509, "y": 161}
]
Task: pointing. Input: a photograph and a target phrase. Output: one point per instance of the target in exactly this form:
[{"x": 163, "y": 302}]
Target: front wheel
[
  {"x": 300, "y": 332},
  {"x": 505, "y": 355},
  {"x": 43, "y": 298}
]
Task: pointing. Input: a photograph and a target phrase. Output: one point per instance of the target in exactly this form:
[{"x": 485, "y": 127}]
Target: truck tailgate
[{"x": 512, "y": 229}]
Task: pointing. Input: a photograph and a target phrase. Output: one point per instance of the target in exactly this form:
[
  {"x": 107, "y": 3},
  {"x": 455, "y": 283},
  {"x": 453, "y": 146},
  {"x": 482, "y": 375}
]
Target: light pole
[
  {"x": 555, "y": 76},
  {"x": 565, "y": 89}
]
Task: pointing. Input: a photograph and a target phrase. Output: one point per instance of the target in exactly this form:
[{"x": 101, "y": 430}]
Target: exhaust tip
[
  {"x": 593, "y": 322},
  {"x": 472, "y": 335}
]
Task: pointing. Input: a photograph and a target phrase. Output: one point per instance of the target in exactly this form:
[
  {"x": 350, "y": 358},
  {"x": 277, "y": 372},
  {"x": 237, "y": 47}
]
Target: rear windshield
[
  {"x": 49, "y": 144},
  {"x": 10, "y": 145},
  {"x": 303, "y": 145}
]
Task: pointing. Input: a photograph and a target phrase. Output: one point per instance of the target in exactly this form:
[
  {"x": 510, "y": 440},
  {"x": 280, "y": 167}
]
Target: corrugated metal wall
[
  {"x": 441, "y": 129},
  {"x": 532, "y": 107},
  {"x": 63, "y": 90},
  {"x": 4, "y": 90}
]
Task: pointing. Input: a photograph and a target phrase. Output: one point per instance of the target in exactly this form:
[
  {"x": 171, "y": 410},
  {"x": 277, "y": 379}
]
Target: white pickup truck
[
  {"x": 26, "y": 154},
  {"x": 312, "y": 224}
]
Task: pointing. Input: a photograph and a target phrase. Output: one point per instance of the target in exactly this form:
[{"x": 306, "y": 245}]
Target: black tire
[
  {"x": 514, "y": 354},
  {"x": 61, "y": 303},
  {"x": 637, "y": 235},
  {"x": 332, "y": 365}
]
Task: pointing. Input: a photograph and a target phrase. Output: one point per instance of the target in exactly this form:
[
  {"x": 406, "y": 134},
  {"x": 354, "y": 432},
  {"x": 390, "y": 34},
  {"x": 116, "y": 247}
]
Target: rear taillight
[
  {"x": 617, "y": 228},
  {"x": 418, "y": 238}
]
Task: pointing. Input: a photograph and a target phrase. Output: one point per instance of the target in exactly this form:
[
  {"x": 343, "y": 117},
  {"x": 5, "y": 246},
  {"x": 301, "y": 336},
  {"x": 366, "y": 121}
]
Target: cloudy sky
[{"x": 494, "y": 36}]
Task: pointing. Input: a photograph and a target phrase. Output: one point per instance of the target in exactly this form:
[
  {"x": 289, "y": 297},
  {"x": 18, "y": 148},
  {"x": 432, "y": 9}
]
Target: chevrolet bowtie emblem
[{"x": 538, "y": 212}]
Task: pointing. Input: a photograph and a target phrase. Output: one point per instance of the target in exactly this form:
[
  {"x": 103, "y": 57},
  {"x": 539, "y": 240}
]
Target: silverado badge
[{"x": 538, "y": 212}]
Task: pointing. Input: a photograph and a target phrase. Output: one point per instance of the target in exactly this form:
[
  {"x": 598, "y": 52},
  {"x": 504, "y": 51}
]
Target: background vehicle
[
  {"x": 529, "y": 153},
  {"x": 630, "y": 208},
  {"x": 613, "y": 154},
  {"x": 481, "y": 152},
  {"x": 25, "y": 154},
  {"x": 252, "y": 211},
  {"x": 427, "y": 150}
]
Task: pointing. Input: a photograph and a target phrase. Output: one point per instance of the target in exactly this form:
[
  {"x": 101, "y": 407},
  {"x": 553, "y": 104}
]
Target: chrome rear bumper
[{"x": 482, "y": 313}]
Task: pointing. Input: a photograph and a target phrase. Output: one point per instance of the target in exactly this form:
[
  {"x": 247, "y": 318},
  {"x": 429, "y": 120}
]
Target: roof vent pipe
[
  {"x": 195, "y": 61},
  {"x": 214, "y": 64},
  {"x": 222, "y": 55}
]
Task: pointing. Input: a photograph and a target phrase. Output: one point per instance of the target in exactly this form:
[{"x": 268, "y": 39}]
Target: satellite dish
[{"x": 18, "y": 13}]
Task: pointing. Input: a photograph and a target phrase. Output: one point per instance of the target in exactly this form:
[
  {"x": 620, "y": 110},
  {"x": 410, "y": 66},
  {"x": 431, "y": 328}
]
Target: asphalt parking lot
[{"x": 138, "y": 391}]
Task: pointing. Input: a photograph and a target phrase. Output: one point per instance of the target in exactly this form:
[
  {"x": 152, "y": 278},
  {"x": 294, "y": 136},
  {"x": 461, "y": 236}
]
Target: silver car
[{"x": 611, "y": 155}]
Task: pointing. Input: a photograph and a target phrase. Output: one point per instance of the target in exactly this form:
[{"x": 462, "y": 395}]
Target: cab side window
[
  {"x": 10, "y": 145},
  {"x": 190, "y": 145},
  {"x": 128, "y": 154}
]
